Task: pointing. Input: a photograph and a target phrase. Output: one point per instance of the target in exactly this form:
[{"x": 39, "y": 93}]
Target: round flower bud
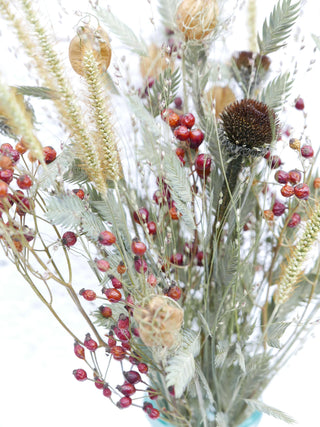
[
  {"x": 87, "y": 39},
  {"x": 196, "y": 19}
]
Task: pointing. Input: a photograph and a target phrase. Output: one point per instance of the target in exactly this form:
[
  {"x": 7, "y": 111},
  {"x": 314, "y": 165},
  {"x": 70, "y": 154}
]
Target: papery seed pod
[
  {"x": 196, "y": 19},
  {"x": 222, "y": 96},
  {"x": 295, "y": 144},
  {"x": 155, "y": 63},
  {"x": 89, "y": 39},
  {"x": 159, "y": 321}
]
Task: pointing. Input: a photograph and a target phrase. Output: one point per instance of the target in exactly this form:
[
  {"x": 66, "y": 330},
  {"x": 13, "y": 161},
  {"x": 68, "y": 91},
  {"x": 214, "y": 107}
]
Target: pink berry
[
  {"x": 6, "y": 175},
  {"x": 106, "y": 391},
  {"x": 302, "y": 191},
  {"x": 113, "y": 295},
  {"x": 182, "y": 133},
  {"x": 299, "y": 104},
  {"x": 127, "y": 389},
  {"x": 187, "y": 120},
  {"x": 88, "y": 294},
  {"x": 152, "y": 228},
  {"x": 69, "y": 239},
  {"x": 118, "y": 352},
  {"x": 24, "y": 182},
  {"x": 294, "y": 220},
  {"x": 153, "y": 413},
  {"x": 124, "y": 402},
  {"x": 174, "y": 292},
  {"x": 89, "y": 343},
  {"x": 133, "y": 377},
  {"x": 200, "y": 256},
  {"x": 79, "y": 350},
  {"x": 99, "y": 383},
  {"x": 177, "y": 259},
  {"x": 122, "y": 334},
  {"x": 140, "y": 265},
  {"x": 141, "y": 215},
  {"x": 143, "y": 368},
  {"x": 115, "y": 282},
  {"x": 281, "y": 176},
  {"x": 203, "y": 165},
  {"x": 102, "y": 265},
  {"x": 275, "y": 162},
  {"x": 123, "y": 321},
  {"x": 307, "y": 151},
  {"x": 107, "y": 238},
  {"x": 153, "y": 394},
  {"x": 294, "y": 176},
  {"x": 278, "y": 208},
  {"x": 138, "y": 248},
  {"x": 287, "y": 190},
  {"x": 80, "y": 374},
  {"x": 105, "y": 311},
  {"x": 196, "y": 138}
]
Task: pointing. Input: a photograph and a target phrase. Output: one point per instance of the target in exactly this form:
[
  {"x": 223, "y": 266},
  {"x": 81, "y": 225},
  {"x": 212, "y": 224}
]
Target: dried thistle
[{"x": 197, "y": 19}]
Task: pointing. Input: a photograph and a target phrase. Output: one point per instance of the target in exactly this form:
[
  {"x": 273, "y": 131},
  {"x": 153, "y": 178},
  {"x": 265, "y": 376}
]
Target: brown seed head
[{"x": 248, "y": 127}]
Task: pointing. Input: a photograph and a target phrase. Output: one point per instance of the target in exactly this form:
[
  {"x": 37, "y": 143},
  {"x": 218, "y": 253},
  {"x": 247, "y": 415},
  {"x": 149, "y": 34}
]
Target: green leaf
[
  {"x": 123, "y": 32},
  {"x": 167, "y": 10},
  {"x": 181, "y": 367},
  {"x": 277, "y": 30},
  {"x": 269, "y": 410},
  {"x": 37, "y": 92},
  {"x": 164, "y": 90},
  {"x": 277, "y": 91},
  {"x": 275, "y": 332},
  {"x": 316, "y": 40}
]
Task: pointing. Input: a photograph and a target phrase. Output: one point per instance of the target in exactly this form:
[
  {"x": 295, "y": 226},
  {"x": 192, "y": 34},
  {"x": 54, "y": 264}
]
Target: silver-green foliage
[
  {"x": 123, "y": 32},
  {"x": 269, "y": 410},
  {"x": 167, "y": 10},
  {"x": 276, "y": 31},
  {"x": 181, "y": 367},
  {"x": 277, "y": 91}
]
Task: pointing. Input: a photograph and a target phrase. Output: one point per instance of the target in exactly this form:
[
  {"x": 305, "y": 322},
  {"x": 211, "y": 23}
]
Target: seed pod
[
  {"x": 196, "y": 19},
  {"x": 155, "y": 63},
  {"x": 89, "y": 39}
]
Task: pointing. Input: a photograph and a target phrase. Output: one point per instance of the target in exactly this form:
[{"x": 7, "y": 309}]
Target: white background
[{"x": 37, "y": 387}]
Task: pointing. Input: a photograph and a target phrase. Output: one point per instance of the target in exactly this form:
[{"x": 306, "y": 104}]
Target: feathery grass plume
[
  {"x": 252, "y": 25},
  {"x": 19, "y": 118},
  {"x": 105, "y": 143},
  {"x": 67, "y": 105},
  {"x": 294, "y": 268}
]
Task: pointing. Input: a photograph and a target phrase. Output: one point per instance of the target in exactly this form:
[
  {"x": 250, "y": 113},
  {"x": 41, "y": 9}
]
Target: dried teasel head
[
  {"x": 159, "y": 321},
  {"x": 155, "y": 63},
  {"x": 248, "y": 127},
  {"x": 196, "y": 19},
  {"x": 97, "y": 41},
  {"x": 222, "y": 96}
]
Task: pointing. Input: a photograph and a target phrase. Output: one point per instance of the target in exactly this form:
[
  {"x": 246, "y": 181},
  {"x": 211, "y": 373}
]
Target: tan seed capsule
[
  {"x": 295, "y": 144},
  {"x": 89, "y": 39},
  {"x": 222, "y": 96},
  {"x": 155, "y": 63},
  {"x": 196, "y": 19}
]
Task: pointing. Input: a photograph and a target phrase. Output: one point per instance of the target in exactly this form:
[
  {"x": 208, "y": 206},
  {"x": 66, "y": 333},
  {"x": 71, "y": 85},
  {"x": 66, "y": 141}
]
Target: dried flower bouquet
[{"x": 196, "y": 235}]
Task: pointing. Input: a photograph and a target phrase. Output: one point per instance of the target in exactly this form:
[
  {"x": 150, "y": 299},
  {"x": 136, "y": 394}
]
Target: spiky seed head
[
  {"x": 196, "y": 19},
  {"x": 248, "y": 127}
]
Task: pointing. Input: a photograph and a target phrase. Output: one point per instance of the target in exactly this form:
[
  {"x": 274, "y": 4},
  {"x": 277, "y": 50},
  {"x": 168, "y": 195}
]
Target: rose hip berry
[
  {"x": 113, "y": 295},
  {"x": 133, "y": 377},
  {"x": 177, "y": 259},
  {"x": 99, "y": 383},
  {"x": 281, "y": 176},
  {"x": 127, "y": 389},
  {"x": 107, "y": 238},
  {"x": 24, "y": 182},
  {"x": 152, "y": 228},
  {"x": 153, "y": 413},
  {"x": 294, "y": 176},
  {"x": 102, "y": 265},
  {"x": 302, "y": 191},
  {"x": 140, "y": 265},
  {"x": 78, "y": 350},
  {"x": 278, "y": 208},
  {"x": 174, "y": 292},
  {"x": 89, "y": 343},
  {"x": 105, "y": 311},
  {"x": 3, "y": 189},
  {"x": 69, "y": 239},
  {"x": 294, "y": 220},
  {"x": 203, "y": 165},
  {"x": 49, "y": 154},
  {"x": 124, "y": 402},
  {"x": 141, "y": 216},
  {"x": 275, "y": 162},
  {"x": 173, "y": 119},
  {"x": 79, "y": 193},
  {"x": 115, "y": 282},
  {"x": 153, "y": 394},
  {"x": 196, "y": 138},
  {"x": 118, "y": 352},
  {"x": 106, "y": 391},
  {"x": 138, "y": 248},
  {"x": 316, "y": 183},
  {"x": 80, "y": 374},
  {"x": 307, "y": 151},
  {"x": 143, "y": 368},
  {"x": 6, "y": 175},
  {"x": 269, "y": 215},
  {"x": 21, "y": 146},
  {"x": 182, "y": 133},
  {"x": 299, "y": 104},
  {"x": 88, "y": 294},
  {"x": 123, "y": 321},
  {"x": 187, "y": 120},
  {"x": 287, "y": 190}
]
